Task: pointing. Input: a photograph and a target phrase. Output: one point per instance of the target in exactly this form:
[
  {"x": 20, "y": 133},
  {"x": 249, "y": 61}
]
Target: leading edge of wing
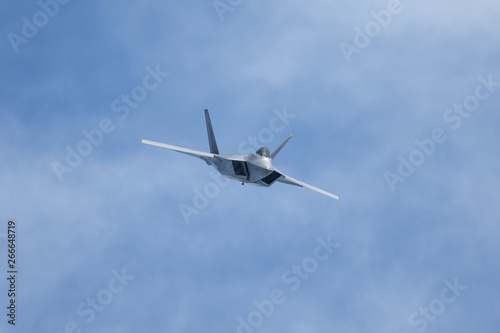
[
  {"x": 191, "y": 152},
  {"x": 291, "y": 181}
]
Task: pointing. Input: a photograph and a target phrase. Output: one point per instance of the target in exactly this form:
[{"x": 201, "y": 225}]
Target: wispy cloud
[{"x": 119, "y": 208}]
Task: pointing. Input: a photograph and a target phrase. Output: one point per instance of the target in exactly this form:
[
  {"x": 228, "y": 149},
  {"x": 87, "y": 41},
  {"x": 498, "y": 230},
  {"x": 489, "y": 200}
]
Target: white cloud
[{"x": 120, "y": 206}]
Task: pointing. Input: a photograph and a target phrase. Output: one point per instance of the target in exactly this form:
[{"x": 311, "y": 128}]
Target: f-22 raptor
[{"x": 256, "y": 168}]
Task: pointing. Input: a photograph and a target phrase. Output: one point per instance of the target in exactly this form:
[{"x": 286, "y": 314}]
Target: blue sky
[{"x": 103, "y": 246}]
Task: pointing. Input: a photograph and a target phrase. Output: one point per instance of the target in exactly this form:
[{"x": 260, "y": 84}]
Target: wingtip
[{"x": 334, "y": 196}]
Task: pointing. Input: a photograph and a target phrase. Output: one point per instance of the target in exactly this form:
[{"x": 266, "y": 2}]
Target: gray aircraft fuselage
[
  {"x": 256, "y": 168},
  {"x": 251, "y": 168}
]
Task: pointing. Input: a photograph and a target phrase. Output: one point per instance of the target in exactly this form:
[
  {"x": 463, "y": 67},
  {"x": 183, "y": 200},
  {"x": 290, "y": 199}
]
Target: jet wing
[
  {"x": 291, "y": 181},
  {"x": 204, "y": 156}
]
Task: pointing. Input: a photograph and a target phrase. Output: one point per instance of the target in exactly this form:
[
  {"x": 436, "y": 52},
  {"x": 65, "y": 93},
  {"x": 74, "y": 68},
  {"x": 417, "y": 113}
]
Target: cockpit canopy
[{"x": 263, "y": 152}]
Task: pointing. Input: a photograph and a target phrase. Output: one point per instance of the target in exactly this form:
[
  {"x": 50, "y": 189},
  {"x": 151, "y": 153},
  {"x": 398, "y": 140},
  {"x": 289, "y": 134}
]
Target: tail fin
[
  {"x": 211, "y": 137},
  {"x": 273, "y": 155}
]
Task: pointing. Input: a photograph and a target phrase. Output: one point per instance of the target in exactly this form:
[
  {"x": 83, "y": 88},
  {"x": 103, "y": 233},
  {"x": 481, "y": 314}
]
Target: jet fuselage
[
  {"x": 251, "y": 168},
  {"x": 256, "y": 168}
]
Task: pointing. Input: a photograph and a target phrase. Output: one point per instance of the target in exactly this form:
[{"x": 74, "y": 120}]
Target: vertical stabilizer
[
  {"x": 273, "y": 155},
  {"x": 211, "y": 137}
]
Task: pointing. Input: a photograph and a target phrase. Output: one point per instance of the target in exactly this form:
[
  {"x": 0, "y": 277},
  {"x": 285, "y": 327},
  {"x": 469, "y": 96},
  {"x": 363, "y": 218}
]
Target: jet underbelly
[
  {"x": 256, "y": 173},
  {"x": 258, "y": 167},
  {"x": 250, "y": 169}
]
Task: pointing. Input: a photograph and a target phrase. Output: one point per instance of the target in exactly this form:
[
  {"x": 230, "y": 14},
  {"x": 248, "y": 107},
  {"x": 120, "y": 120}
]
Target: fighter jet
[{"x": 256, "y": 168}]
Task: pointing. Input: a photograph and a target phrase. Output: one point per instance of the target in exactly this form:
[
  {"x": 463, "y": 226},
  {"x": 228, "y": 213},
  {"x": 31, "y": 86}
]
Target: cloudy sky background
[{"x": 118, "y": 210}]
